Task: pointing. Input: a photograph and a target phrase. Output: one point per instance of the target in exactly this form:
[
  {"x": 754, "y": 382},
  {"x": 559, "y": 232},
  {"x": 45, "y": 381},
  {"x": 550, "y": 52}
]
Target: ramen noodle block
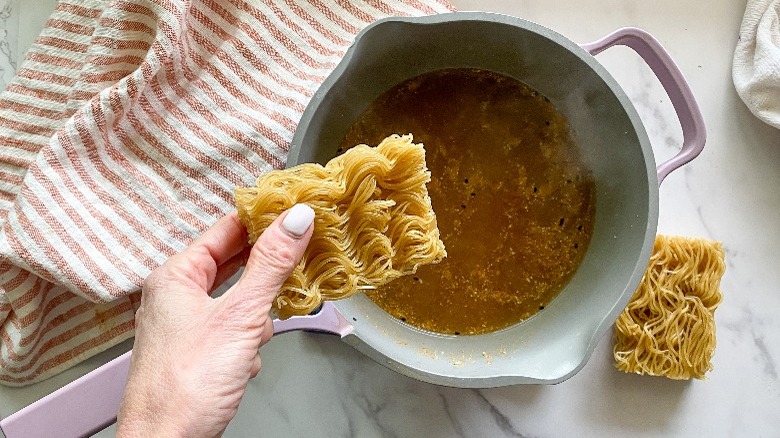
[
  {"x": 373, "y": 220},
  {"x": 668, "y": 328}
]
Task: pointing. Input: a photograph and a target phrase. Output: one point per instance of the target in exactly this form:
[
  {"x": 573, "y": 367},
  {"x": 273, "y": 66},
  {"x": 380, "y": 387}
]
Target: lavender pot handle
[
  {"x": 80, "y": 408},
  {"x": 675, "y": 85},
  {"x": 91, "y": 403},
  {"x": 327, "y": 320}
]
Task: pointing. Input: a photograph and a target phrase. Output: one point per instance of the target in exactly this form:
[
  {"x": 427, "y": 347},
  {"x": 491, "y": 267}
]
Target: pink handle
[
  {"x": 80, "y": 408},
  {"x": 327, "y": 320},
  {"x": 91, "y": 403},
  {"x": 673, "y": 81}
]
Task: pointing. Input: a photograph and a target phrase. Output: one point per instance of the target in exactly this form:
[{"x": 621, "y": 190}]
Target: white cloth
[{"x": 756, "y": 69}]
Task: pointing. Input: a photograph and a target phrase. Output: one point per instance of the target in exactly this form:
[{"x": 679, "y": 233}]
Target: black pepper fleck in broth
[{"x": 513, "y": 201}]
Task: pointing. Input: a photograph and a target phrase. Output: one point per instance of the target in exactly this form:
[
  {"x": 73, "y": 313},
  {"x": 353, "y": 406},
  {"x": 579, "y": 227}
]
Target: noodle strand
[
  {"x": 668, "y": 327},
  {"x": 373, "y": 220}
]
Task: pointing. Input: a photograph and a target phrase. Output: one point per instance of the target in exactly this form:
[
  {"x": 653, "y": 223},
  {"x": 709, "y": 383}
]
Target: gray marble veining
[{"x": 8, "y": 49}]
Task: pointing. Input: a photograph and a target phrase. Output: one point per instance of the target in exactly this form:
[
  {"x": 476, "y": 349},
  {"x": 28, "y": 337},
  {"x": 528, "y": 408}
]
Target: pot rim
[{"x": 643, "y": 257}]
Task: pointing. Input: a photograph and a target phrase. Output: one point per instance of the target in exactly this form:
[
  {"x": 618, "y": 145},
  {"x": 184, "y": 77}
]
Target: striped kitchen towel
[{"x": 123, "y": 136}]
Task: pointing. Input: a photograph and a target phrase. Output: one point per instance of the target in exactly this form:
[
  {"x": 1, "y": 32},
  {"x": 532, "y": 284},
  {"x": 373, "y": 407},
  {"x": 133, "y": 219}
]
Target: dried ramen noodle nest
[
  {"x": 668, "y": 328},
  {"x": 373, "y": 220}
]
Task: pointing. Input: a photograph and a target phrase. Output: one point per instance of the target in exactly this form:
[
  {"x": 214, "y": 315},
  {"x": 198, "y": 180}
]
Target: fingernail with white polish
[{"x": 299, "y": 218}]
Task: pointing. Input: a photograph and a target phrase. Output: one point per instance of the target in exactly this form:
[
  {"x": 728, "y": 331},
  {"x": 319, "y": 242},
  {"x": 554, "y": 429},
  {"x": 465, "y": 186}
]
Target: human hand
[{"x": 193, "y": 354}]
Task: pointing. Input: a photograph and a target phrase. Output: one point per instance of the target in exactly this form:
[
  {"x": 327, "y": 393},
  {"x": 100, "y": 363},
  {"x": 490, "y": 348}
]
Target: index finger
[{"x": 223, "y": 240}]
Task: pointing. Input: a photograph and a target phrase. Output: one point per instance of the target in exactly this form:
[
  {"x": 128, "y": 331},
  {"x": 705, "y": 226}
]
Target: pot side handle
[
  {"x": 80, "y": 408},
  {"x": 675, "y": 85},
  {"x": 91, "y": 403},
  {"x": 327, "y": 320}
]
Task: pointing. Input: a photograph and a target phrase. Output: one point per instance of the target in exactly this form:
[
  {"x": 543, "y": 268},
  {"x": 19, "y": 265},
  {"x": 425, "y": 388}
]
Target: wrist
[
  {"x": 150, "y": 411},
  {"x": 146, "y": 427}
]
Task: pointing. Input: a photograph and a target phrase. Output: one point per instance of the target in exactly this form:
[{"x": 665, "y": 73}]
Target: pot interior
[{"x": 556, "y": 342}]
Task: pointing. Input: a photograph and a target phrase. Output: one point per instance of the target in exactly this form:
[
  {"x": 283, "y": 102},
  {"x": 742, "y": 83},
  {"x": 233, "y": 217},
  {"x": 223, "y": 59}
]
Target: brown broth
[{"x": 514, "y": 203}]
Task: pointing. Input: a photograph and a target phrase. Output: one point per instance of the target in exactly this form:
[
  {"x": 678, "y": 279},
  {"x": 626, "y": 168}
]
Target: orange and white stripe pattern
[{"x": 122, "y": 138}]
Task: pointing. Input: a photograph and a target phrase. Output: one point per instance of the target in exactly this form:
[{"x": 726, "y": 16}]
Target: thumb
[{"x": 273, "y": 257}]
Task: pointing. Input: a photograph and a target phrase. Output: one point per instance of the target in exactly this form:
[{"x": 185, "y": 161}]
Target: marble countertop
[{"x": 315, "y": 385}]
